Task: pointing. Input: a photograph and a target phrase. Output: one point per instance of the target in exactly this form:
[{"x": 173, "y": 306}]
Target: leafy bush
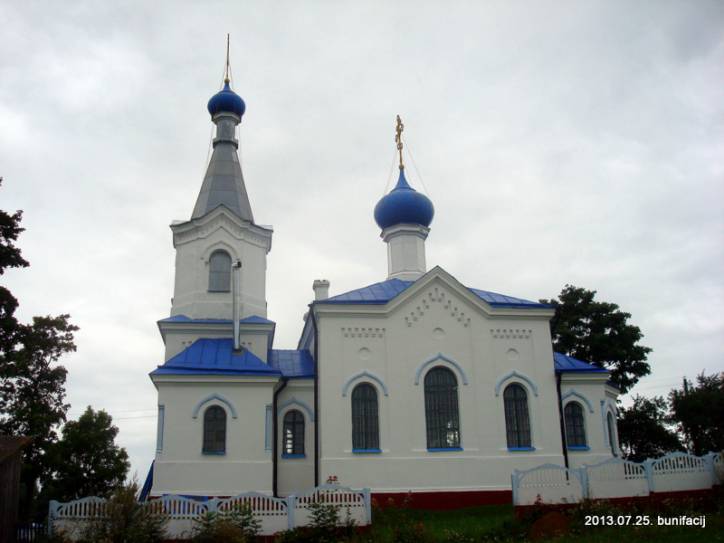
[
  {"x": 325, "y": 526},
  {"x": 235, "y": 526},
  {"x": 126, "y": 521}
]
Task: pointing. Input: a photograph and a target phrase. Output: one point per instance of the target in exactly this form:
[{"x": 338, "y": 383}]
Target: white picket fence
[
  {"x": 616, "y": 478},
  {"x": 273, "y": 514}
]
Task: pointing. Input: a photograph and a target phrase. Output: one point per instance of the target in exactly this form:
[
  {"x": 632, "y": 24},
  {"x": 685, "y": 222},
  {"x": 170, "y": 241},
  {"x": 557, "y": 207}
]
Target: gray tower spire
[{"x": 223, "y": 183}]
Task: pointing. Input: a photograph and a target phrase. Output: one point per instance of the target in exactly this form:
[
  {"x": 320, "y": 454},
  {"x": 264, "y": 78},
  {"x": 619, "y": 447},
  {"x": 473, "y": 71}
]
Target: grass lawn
[{"x": 497, "y": 523}]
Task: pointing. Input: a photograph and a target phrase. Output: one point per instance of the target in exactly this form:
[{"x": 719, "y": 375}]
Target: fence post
[
  {"x": 648, "y": 467},
  {"x": 291, "y": 504},
  {"x": 213, "y": 505},
  {"x": 368, "y": 504},
  {"x": 709, "y": 459},
  {"x": 514, "y": 485},
  {"x": 53, "y": 507}
]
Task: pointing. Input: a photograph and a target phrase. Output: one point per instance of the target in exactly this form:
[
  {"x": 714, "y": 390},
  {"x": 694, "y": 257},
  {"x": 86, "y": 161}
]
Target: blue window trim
[
  {"x": 366, "y": 451},
  {"x": 285, "y": 455},
  {"x": 444, "y": 449},
  {"x": 520, "y": 449},
  {"x": 579, "y": 448},
  {"x": 213, "y": 453}
]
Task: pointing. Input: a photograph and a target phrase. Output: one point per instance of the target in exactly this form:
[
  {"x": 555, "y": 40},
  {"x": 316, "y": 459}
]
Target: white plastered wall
[
  {"x": 182, "y": 468},
  {"x": 296, "y": 474},
  {"x": 435, "y": 320}
]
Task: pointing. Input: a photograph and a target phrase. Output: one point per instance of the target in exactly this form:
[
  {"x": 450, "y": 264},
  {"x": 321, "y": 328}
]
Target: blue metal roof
[
  {"x": 254, "y": 319},
  {"x": 403, "y": 204},
  {"x": 565, "y": 363},
  {"x": 292, "y": 363},
  {"x": 226, "y": 100},
  {"x": 215, "y": 357},
  {"x": 383, "y": 292}
]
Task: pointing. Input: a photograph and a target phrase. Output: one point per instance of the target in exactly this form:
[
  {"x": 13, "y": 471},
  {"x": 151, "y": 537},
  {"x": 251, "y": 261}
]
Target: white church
[{"x": 415, "y": 383}]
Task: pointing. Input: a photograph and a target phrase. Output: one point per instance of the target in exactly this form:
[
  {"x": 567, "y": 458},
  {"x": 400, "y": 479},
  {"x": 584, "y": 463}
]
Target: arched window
[
  {"x": 220, "y": 272},
  {"x": 214, "y": 430},
  {"x": 517, "y": 421},
  {"x": 441, "y": 409},
  {"x": 365, "y": 423},
  {"x": 293, "y": 433},
  {"x": 575, "y": 426},
  {"x": 611, "y": 433}
]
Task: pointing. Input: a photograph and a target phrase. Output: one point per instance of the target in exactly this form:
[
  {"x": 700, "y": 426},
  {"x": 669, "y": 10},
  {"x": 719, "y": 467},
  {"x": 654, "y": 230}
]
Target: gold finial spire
[
  {"x": 398, "y": 139},
  {"x": 226, "y": 71}
]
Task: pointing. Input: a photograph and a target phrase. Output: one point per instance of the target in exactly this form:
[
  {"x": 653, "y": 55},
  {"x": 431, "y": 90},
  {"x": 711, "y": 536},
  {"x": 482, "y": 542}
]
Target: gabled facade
[{"x": 416, "y": 383}]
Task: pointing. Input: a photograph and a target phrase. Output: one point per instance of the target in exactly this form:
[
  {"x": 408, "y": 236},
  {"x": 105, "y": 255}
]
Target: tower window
[
  {"x": 517, "y": 420},
  {"x": 214, "y": 430},
  {"x": 611, "y": 425},
  {"x": 220, "y": 272},
  {"x": 293, "y": 434},
  {"x": 575, "y": 427},
  {"x": 441, "y": 409},
  {"x": 365, "y": 423}
]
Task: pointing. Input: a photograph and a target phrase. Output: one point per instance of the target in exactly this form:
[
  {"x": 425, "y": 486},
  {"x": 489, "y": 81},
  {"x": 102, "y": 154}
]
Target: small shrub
[
  {"x": 235, "y": 526},
  {"x": 126, "y": 521}
]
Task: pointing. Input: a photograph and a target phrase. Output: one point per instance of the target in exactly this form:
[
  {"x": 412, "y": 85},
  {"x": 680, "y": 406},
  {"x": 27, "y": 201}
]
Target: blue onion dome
[
  {"x": 403, "y": 205},
  {"x": 226, "y": 100}
]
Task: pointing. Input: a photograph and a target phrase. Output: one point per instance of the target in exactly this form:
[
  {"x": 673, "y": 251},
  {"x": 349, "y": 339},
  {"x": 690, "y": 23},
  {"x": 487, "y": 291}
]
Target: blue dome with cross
[
  {"x": 226, "y": 101},
  {"x": 404, "y": 205}
]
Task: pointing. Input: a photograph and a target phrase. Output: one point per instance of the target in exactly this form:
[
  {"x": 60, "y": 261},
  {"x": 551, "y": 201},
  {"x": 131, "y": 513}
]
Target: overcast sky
[{"x": 561, "y": 142}]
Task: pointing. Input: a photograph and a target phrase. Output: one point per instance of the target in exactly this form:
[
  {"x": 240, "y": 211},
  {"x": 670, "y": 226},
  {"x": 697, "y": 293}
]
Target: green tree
[
  {"x": 643, "y": 431},
  {"x": 86, "y": 461},
  {"x": 598, "y": 332},
  {"x": 32, "y": 385},
  {"x": 699, "y": 412}
]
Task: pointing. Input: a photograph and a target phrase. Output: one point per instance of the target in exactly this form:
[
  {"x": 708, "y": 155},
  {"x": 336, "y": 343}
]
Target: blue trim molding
[
  {"x": 579, "y": 448},
  {"x": 514, "y": 375},
  {"x": 444, "y": 449},
  {"x": 520, "y": 449},
  {"x": 572, "y": 393},
  {"x": 364, "y": 375},
  {"x": 299, "y": 403},
  {"x": 213, "y": 453},
  {"x": 366, "y": 451},
  {"x": 218, "y": 398},
  {"x": 437, "y": 358}
]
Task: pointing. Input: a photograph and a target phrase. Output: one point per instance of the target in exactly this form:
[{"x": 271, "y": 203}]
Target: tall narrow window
[
  {"x": 441, "y": 409},
  {"x": 220, "y": 272},
  {"x": 517, "y": 421},
  {"x": 611, "y": 433},
  {"x": 575, "y": 426},
  {"x": 365, "y": 423},
  {"x": 293, "y": 433},
  {"x": 214, "y": 430}
]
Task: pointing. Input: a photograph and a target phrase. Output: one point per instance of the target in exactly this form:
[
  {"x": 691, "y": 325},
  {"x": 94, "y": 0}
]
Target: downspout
[
  {"x": 316, "y": 394},
  {"x": 275, "y": 431},
  {"x": 561, "y": 420}
]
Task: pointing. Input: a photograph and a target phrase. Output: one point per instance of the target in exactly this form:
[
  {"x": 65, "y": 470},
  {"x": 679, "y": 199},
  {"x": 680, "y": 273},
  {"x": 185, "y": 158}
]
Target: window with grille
[
  {"x": 441, "y": 409},
  {"x": 611, "y": 435},
  {"x": 293, "y": 433},
  {"x": 365, "y": 422},
  {"x": 517, "y": 421},
  {"x": 575, "y": 426},
  {"x": 220, "y": 272},
  {"x": 214, "y": 430}
]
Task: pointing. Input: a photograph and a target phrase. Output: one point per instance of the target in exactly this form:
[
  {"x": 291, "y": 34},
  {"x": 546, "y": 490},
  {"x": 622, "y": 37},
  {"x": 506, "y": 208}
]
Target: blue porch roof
[
  {"x": 292, "y": 363},
  {"x": 217, "y": 357},
  {"x": 564, "y": 363},
  {"x": 384, "y": 291}
]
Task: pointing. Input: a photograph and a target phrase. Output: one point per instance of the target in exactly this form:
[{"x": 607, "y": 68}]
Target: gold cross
[{"x": 398, "y": 139}]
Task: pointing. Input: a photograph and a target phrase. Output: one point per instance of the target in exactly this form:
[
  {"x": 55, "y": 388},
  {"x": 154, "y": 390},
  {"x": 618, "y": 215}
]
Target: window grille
[
  {"x": 441, "y": 409},
  {"x": 575, "y": 427},
  {"x": 517, "y": 420},
  {"x": 214, "y": 430},
  {"x": 365, "y": 422},
  {"x": 293, "y": 433},
  {"x": 220, "y": 272},
  {"x": 611, "y": 435}
]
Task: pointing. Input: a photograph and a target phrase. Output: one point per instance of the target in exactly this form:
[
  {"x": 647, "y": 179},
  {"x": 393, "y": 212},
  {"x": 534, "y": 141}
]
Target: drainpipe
[
  {"x": 236, "y": 308},
  {"x": 275, "y": 431},
  {"x": 561, "y": 420},
  {"x": 316, "y": 394}
]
